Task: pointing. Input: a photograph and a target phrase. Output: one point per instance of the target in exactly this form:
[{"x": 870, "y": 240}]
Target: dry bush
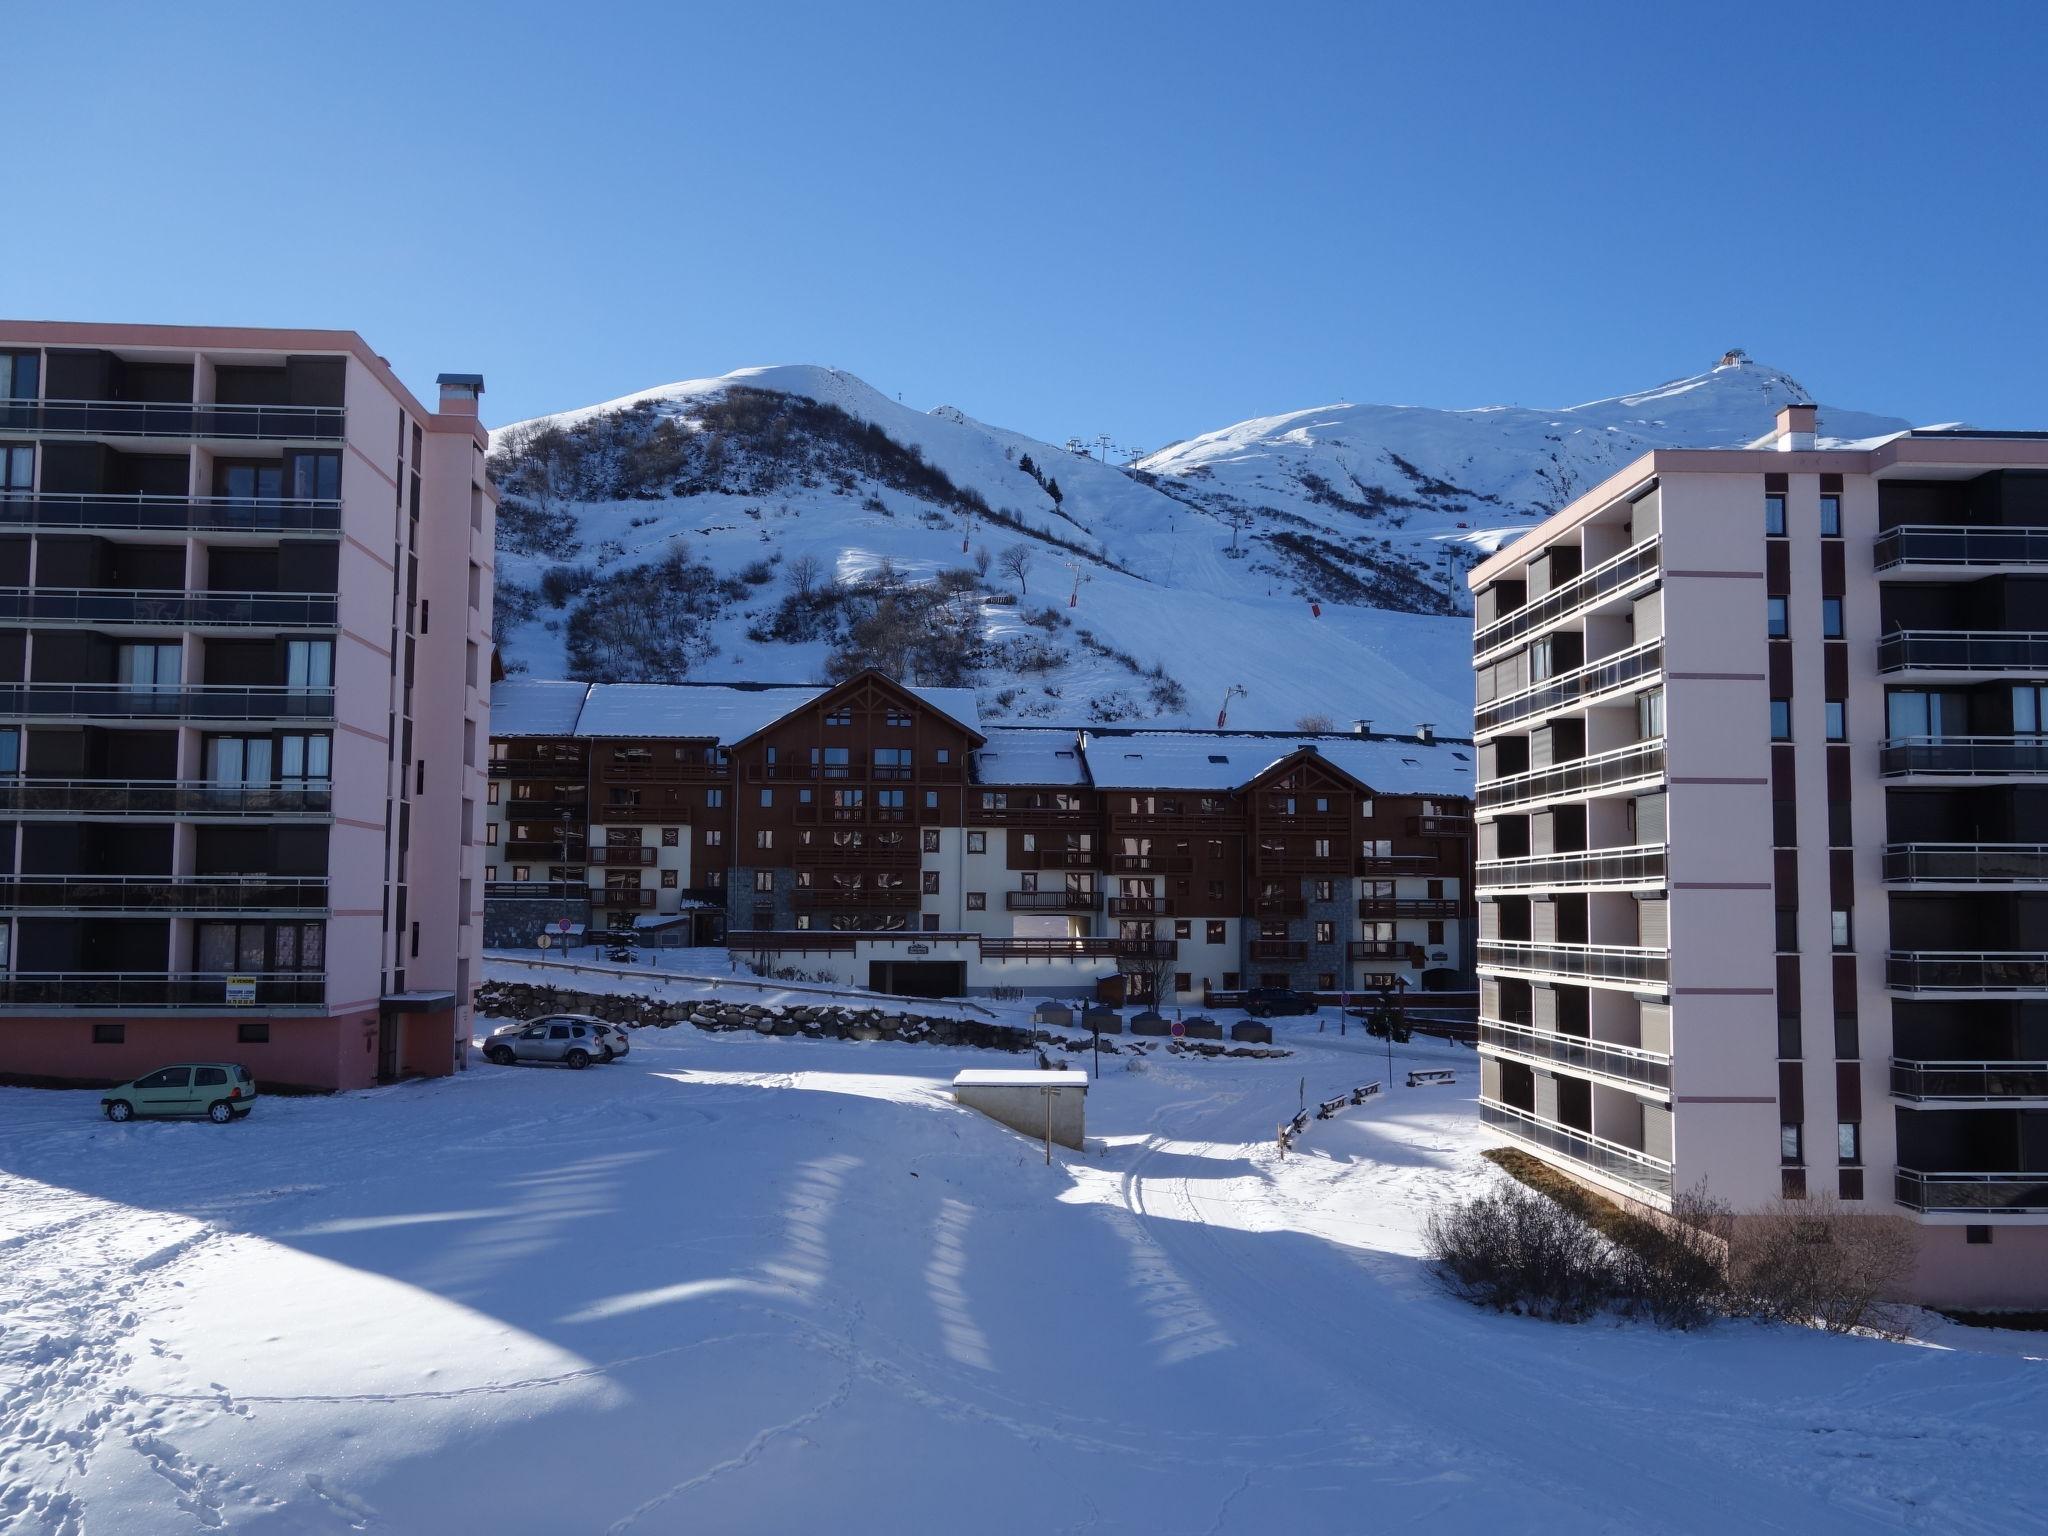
[
  {"x": 1517, "y": 1251},
  {"x": 1673, "y": 1268},
  {"x": 1813, "y": 1262}
]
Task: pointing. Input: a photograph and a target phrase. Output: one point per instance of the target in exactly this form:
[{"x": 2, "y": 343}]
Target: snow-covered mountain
[{"x": 780, "y": 524}]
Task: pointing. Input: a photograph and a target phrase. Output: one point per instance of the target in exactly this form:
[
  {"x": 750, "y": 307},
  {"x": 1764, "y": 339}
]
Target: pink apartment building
[
  {"x": 245, "y": 589},
  {"x": 1763, "y": 841}
]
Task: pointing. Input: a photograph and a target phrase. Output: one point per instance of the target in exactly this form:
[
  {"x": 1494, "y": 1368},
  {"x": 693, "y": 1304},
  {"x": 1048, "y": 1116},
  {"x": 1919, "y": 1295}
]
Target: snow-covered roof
[
  {"x": 1014, "y": 1077},
  {"x": 1028, "y": 756},
  {"x": 525, "y": 706},
  {"x": 1390, "y": 765}
]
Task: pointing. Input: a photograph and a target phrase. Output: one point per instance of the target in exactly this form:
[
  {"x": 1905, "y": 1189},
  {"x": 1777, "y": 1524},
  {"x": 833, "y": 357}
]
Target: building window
[
  {"x": 1787, "y": 930},
  {"x": 714, "y": 799},
  {"x": 1326, "y": 890},
  {"x": 17, "y": 464},
  {"x": 977, "y": 842},
  {"x": 931, "y": 799},
  {"x": 109, "y": 1034},
  {"x": 309, "y": 663},
  {"x": 803, "y": 920},
  {"x": 1831, "y": 517},
  {"x": 1838, "y": 720},
  {"x": 671, "y": 837},
  {"x": 943, "y": 755},
  {"x": 490, "y": 834},
  {"x": 765, "y": 838},
  {"x": 491, "y": 792},
  {"x": 1774, "y": 516},
  {"x": 931, "y": 882},
  {"x": 977, "y": 901},
  {"x": 1326, "y": 933},
  {"x": 1183, "y": 982},
  {"x": 1788, "y": 1037},
  {"x": 1028, "y": 881},
  {"x": 490, "y": 873},
  {"x": 1775, "y": 624},
  {"x": 415, "y": 941},
  {"x": 1215, "y": 890},
  {"x": 931, "y": 839},
  {"x": 1322, "y": 847},
  {"x": 1849, "y": 1141},
  {"x": 1788, "y": 1144},
  {"x": 522, "y": 871},
  {"x": 670, "y": 879},
  {"x": 1781, "y": 719},
  {"x": 715, "y": 878},
  {"x": 253, "y": 1033},
  {"x": 714, "y": 837},
  {"x": 764, "y": 881},
  {"x": 1322, "y": 804},
  {"x": 1436, "y": 931},
  {"x": 1831, "y": 618},
  {"x": 767, "y": 797},
  {"x": 1971, "y": 1234},
  {"x": 928, "y": 921},
  {"x": 1650, "y": 715},
  {"x": 1838, "y": 929},
  {"x": 840, "y": 716},
  {"x": 1214, "y": 930}
]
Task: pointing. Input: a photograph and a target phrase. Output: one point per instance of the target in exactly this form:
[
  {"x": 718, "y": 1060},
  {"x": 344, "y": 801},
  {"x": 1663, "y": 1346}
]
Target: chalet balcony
[
  {"x": 2014, "y": 1193},
  {"x": 1140, "y": 906},
  {"x": 1651, "y": 1175},
  {"x": 857, "y": 896},
  {"x": 1069, "y": 858},
  {"x": 1969, "y": 1082},
  {"x": 568, "y": 850},
  {"x": 1577, "y": 1054},
  {"x": 2020, "y": 973},
  {"x": 546, "y": 810},
  {"x": 1987, "y": 757},
  {"x": 527, "y": 890},
  {"x": 1279, "y": 906},
  {"x": 1279, "y": 949},
  {"x": 1076, "y": 949},
  {"x": 1962, "y": 653},
  {"x": 172, "y": 418},
  {"x": 1635, "y": 868},
  {"x": 538, "y": 768},
  {"x": 1609, "y": 675},
  {"x": 1440, "y": 826},
  {"x": 158, "y": 894},
  {"x": 1623, "y": 770},
  {"x": 866, "y": 855},
  {"x": 1387, "y": 908},
  {"x": 1611, "y": 964},
  {"x": 1151, "y": 863},
  {"x": 165, "y": 797},
  {"x": 298, "y": 516},
  {"x": 643, "y": 857},
  {"x": 1931, "y": 550},
  {"x": 622, "y": 897},
  {"x": 664, "y": 773},
  {"x": 615, "y": 815},
  {"x": 111, "y": 607},
  {"x": 197, "y": 702},
  {"x": 157, "y": 991},
  {"x": 1978, "y": 865},
  {"x": 1387, "y": 864},
  {"x": 1052, "y": 901},
  {"x": 1383, "y": 951},
  {"x": 1636, "y": 569}
]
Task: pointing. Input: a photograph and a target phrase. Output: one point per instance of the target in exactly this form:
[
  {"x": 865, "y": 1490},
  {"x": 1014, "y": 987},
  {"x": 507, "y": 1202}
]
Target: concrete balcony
[
  {"x": 174, "y": 419},
  {"x": 1983, "y": 973},
  {"x": 162, "y": 895},
  {"x": 1932, "y": 552},
  {"x": 197, "y": 702},
  {"x": 1600, "y": 965},
  {"x": 2013, "y": 1193},
  {"x": 1980, "y": 758},
  {"x": 210, "y": 515},
  {"x": 1967, "y": 866},
  {"x": 1052, "y": 901},
  {"x": 1958, "y": 655},
  {"x": 1629, "y": 671},
  {"x": 1627, "y": 1065},
  {"x": 1609, "y": 1160},
  {"x": 1590, "y": 869},
  {"x": 196, "y": 800},
  {"x": 1619, "y": 579},
  {"x": 44, "y": 992},
  {"x": 139, "y": 608},
  {"x": 2005, "y": 1083},
  {"x": 1625, "y": 770}
]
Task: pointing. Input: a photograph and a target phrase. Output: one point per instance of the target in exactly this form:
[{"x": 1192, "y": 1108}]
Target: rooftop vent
[
  {"x": 1427, "y": 730},
  {"x": 1361, "y": 727}
]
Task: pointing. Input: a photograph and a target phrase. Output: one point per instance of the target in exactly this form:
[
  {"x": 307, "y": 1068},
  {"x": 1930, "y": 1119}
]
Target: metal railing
[
  {"x": 1588, "y": 682},
  {"x": 1582, "y": 1147},
  {"x": 524, "y": 890},
  {"x": 144, "y": 991},
  {"x": 603, "y": 854},
  {"x": 2016, "y": 1192},
  {"x": 172, "y": 514},
  {"x": 162, "y": 797},
  {"x": 1960, "y": 970},
  {"x": 1934, "y": 544},
  {"x": 167, "y": 609},
  {"x": 173, "y": 418},
  {"x": 1652, "y": 1069},
  {"x": 165, "y": 893},
  {"x": 1969, "y": 1081},
  {"x": 1595, "y": 962},
  {"x": 1440, "y": 826},
  {"x": 1141, "y": 906},
  {"x": 1384, "y": 907},
  {"x": 1983, "y": 756},
  {"x": 197, "y": 701},
  {"x": 1962, "y": 650},
  {"x": 1635, "y": 566},
  {"x": 1400, "y": 951},
  {"x": 857, "y": 896},
  {"x": 1074, "y": 949},
  {"x": 1966, "y": 863},
  {"x": 1052, "y": 901},
  {"x": 1151, "y": 863},
  {"x": 1581, "y": 869},
  {"x": 1628, "y": 767}
]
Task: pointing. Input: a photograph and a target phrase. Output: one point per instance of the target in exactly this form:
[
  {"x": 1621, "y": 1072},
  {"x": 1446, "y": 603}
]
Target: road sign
[
  {"x": 563, "y": 925},
  {"x": 543, "y": 940},
  {"x": 241, "y": 991},
  {"x": 1177, "y": 1028}
]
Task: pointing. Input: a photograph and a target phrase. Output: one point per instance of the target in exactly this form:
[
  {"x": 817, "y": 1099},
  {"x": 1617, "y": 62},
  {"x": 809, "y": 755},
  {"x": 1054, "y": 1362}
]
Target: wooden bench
[{"x": 1431, "y": 1079}]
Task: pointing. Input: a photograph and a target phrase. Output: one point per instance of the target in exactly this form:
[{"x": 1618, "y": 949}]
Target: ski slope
[{"x": 741, "y": 1284}]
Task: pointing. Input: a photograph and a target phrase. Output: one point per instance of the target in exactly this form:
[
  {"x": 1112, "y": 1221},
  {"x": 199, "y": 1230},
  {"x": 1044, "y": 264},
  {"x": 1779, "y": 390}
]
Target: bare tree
[
  {"x": 982, "y": 560},
  {"x": 1015, "y": 562},
  {"x": 1315, "y": 723},
  {"x": 803, "y": 573},
  {"x": 1147, "y": 972}
]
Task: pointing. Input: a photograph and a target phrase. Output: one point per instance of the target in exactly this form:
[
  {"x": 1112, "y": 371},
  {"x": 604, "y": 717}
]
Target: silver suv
[{"x": 573, "y": 1039}]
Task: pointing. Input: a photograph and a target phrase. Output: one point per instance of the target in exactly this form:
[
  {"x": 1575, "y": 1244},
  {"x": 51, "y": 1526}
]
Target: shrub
[
  {"x": 1514, "y": 1250},
  {"x": 759, "y": 573},
  {"x": 559, "y": 583},
  {"x": 1809, "y": 1261}
]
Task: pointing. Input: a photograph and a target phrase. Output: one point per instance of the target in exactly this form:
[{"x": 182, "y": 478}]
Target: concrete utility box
[
  {"x": 1104, "y": 1020},
  {"x": 1022, "y": 1099},
  {"x": 1052, "y": 1013}
]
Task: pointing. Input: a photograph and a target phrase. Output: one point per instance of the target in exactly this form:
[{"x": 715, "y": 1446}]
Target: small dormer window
[
  {"x": 896, "y": 717},
  {"x": 840, "y": 716},
  {"x": 1217, "y": 757}
]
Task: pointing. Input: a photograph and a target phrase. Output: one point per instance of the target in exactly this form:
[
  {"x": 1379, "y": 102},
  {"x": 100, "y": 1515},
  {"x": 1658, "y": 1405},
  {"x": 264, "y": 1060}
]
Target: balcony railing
[
  {"x": 1959, "y": 970},
  {"x": 570, "y": 772},
  {"x": 1632, "y": 767},
  {"x": 622, "y": 897},
  {"x": 165, "y": 797},
  {"x": 1969, "y": 1082},
  {"x": 1652, "y": 1069},
  {"x": 1592, "y": 962},
  {"x": 1069, "y": 858},
  {"x": 644, "y": 857},
  {"x": 867, "y": 855},
  {"x": 1392, "y": 951},
  {"x": 1966, "y": 863},
  {"x": 1279, "y": 906},
  {"x": 810, "y": 896},
  {"x": 1141, "y": 906},
  {"x": 1606, "y": 675},
  {"x": 1958, "y": 650},
  {"x": 1581, "y": 1147},
  {"x": 1440, "y": 826},
  {"x": 2018, "y": 1193},
  {"x": 199, "y": 701},
  {"x": 1965, "y": 756},
  {"x": 1932, "y": 544},
  {"x": 172, "y": 514},
  {"x": 1279, "y": 949},
  {"x": 159, "y": 992},
  {"x": 663, "y": 773},
  {"x": 166, "y": 609},
  {"x": 168, "y": 418},
  {"x": 532, "y": 890},
  {"x": 1635, "y": 566},
  {"x": 1386, "y": 907},
  {"x": 1585, "y": 869},
  {"x": 1052, "y": 901},
  {"x": 1398, "y": 864},
  {"x": 1151, "y": 863},
  {"x": 1076, "y": 949},
  {"x": 165, "y": 893}
]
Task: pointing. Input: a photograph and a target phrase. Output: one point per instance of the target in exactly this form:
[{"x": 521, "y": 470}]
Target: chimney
[
  {"x": 1426, "y": 731},
  {"x": 459, "y": 392},
  {"x": 1795, "y": 428},
  {"x": 1361, "y": 727}
]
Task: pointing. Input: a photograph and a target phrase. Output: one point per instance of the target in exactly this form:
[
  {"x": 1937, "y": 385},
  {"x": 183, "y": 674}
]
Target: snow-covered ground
[{"x": 744, "y": 1284}]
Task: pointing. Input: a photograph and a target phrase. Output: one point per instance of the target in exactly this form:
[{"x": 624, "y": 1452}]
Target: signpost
[
  {"x": 1177, "y": 1029},
  {"x": 241, "y": 991},
  {"x": 543, "y": 940}
]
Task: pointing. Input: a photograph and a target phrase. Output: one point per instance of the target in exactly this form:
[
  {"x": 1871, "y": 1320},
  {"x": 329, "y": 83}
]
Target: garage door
[{"x": 918, "y": 978}]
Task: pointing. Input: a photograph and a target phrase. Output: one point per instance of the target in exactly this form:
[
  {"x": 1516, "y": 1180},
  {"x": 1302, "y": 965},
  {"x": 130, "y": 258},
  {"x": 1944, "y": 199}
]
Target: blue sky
[{"x": 1133, "y": 219}]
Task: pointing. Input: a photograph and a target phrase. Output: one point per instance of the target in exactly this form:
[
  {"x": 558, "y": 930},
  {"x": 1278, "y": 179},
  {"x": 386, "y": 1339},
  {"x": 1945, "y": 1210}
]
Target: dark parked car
[{"x": 1265, "y": 1002}]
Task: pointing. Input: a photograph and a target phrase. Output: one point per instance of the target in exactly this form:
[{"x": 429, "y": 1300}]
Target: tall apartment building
[
  {"x": 881, "y": 833},
  {"x": 245, "y": 584},
  {"x": 1763, "y": 837}
]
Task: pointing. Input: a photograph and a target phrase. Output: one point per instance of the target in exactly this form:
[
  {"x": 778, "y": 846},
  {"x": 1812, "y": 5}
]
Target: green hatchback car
[{"x": 219, "y": 1090}]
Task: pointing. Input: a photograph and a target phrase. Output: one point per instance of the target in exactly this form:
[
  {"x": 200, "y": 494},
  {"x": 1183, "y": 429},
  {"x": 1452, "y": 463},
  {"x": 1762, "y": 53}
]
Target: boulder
[
  {"x": 1257, "y": 1034},
  {"x": 1050, "y": 1012},
  {"x": 1105, "y": 1020},
  {"x": 1202, "y": 1029},
  {"x": 1148, "y": 1024}
]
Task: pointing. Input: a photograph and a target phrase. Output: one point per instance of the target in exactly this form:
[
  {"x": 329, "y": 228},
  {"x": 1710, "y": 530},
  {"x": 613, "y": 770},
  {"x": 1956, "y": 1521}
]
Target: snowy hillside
[{"x": 789, "y": 524}]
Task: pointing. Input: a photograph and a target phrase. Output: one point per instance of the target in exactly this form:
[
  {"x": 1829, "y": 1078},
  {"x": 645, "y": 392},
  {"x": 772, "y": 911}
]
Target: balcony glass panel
[
  {"x": 1931, "y": 544},
  {"x": 1956, "y": 650},
  {"x": 144, "y": 797},
  {"x": 1587, "y": 867},
  {"x": 1603, "y": 676},
  {"x": 1985, "y": 756},
  {"x": 1629, "y": 767},
  {"x": 203, "y": 514},
  {"x": 1602, "y": 962},
  {"x": 1967, "y": 863},
  {"x": 1985, "y": 1081},
  {"x": 1635, "y": 566},
  {"x": 1955, "y": 970},
  {"x": 1610, "y": 1158},
  {"x": 155, "y": 418},
  {"x": 156, "y": 991},
  {"x": 2016, "y": 1192},
  {"x": 117, "y": 701},
  {"x": 262, "y": 610},
  {"x": 1649, "y": 1068}
]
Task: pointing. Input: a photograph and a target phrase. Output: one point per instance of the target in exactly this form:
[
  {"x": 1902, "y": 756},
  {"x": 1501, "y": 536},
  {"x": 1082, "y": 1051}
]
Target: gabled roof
[
  {"x": 529, "y": 706},
  {"x": 956, "y": 704},
  {"x": 1229, "y": 760},
  {"x": 1049, "y": 756},
  {"x": 1306, "y": 753},
  {"x": 703, "y": 711}
]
